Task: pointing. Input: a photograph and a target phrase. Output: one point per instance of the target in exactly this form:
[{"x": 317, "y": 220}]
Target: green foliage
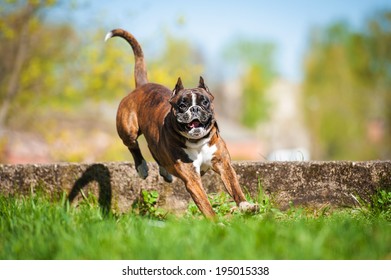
[
  {"x": 263, "y": 200},
  {"x": 347, "y": 89},
  {"x": 146, "y": 205},
  {"x": 32, "y": 62},
  {"x": 179, "y": 58},
  {"x": 381, "y": 203},
  {"x": 37, "y": 228},
  {"x": 256, "y": 105},
  {"x": 257, "y": 59}
]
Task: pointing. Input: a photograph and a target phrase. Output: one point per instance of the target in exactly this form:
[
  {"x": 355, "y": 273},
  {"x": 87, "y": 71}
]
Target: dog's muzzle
[{"x": 196, "y": 122}]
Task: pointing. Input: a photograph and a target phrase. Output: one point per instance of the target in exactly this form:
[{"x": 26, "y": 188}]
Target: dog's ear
[
  {"x": 201, "y": 84},
  {"x": 178, "y": 87}
]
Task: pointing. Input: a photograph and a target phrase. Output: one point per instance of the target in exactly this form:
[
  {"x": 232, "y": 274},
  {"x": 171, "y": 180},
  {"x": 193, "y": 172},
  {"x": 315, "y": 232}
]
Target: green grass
[{"x": 36, "y": 228}]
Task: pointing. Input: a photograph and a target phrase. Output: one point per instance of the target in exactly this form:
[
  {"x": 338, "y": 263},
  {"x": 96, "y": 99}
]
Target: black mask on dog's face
[{"x": 193, "y": 110}]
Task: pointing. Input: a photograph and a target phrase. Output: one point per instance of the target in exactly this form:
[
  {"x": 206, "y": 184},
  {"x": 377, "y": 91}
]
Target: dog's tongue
[{"x": 194, "y": 124}]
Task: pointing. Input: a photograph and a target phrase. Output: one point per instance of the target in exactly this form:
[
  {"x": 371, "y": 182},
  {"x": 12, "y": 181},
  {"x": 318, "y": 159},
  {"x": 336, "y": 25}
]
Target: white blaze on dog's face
[{"x": 193, "y": 110}]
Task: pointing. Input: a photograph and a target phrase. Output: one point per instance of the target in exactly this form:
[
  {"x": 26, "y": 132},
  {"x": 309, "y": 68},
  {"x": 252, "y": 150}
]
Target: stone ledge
[{"x": 116, "y": 184}]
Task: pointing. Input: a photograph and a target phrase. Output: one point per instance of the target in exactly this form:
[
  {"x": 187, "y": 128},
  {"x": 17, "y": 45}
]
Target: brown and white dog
[{"x": 181, "y": 132}]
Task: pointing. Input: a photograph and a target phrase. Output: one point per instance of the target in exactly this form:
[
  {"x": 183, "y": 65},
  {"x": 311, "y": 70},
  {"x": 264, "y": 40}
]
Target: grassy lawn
[{"x": 36, "y": 228}]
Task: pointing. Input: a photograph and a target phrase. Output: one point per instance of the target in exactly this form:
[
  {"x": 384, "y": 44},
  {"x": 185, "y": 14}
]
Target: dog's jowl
[{"x": 181, "y": 131}]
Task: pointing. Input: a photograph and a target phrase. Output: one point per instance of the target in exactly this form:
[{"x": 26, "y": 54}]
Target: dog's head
[{"x": 193, "y": 110}]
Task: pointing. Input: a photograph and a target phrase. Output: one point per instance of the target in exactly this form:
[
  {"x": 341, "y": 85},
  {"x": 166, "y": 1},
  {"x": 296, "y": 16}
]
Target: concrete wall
[{"x": 313, "y": 184}]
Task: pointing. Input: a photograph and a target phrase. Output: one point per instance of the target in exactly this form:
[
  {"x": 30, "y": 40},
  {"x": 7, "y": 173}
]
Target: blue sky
[{"x": 212, "y": 24}]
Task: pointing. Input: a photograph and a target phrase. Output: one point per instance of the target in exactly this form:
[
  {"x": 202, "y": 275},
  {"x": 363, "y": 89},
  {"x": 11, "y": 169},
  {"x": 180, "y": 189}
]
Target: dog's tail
[{"x": 140, "y": 70}]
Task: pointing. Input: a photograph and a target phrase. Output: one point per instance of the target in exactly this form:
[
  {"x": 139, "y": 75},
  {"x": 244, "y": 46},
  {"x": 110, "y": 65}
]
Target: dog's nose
[{"x": 195, "y": 109}]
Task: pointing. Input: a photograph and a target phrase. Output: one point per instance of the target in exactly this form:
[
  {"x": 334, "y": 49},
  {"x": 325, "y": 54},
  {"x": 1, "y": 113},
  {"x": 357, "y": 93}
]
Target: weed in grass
[
  {"x": 379, "y": 204},
  {"x": 146, "y": 205},
  {"x": 265, "y": 202}
]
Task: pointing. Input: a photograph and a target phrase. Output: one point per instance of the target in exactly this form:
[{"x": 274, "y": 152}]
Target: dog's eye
[
  {"x": 205, "y": 103},
  {"x": 182, "y": 106}
]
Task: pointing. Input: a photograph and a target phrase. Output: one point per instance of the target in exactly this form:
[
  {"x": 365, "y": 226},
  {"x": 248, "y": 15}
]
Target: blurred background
[{"x": 292, "y": 80}]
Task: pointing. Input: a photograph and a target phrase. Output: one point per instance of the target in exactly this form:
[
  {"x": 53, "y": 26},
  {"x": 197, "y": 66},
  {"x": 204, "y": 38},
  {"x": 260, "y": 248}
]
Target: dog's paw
[
  {"x": 164, "y": 173},
  {"x": 142, "y": 170},
  {"x": 248, "y": 208}
]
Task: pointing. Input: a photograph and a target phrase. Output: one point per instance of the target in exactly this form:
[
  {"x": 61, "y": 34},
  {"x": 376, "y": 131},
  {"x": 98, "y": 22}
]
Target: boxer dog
[{"x": 181, "y": 131}]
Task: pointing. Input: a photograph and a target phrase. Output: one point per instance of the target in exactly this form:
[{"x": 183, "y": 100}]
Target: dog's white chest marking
[{"x": 201, "y": 154}]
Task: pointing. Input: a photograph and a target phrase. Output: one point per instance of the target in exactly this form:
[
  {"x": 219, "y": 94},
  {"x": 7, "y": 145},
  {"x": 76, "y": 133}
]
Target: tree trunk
[{"x": 15, "y": 72}]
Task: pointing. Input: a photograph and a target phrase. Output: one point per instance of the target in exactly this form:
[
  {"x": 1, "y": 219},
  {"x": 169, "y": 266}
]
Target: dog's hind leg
[
  {"x": 164, "y": 173},
  {"x": 129, "y": 132},
  {"x": 139, "y": 161}
]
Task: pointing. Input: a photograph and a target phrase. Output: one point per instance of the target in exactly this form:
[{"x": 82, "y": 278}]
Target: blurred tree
[
  {"x": 347, "y": 90},
  {"x": 30, "y": 55},
  {"x": 103, "y": 70},
  {"x": 255, "y": 59},
  {"x": 178, "y": 59}
]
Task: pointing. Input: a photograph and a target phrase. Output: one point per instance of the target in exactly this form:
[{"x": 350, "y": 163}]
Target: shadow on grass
[{"x": 100, "y": 174}]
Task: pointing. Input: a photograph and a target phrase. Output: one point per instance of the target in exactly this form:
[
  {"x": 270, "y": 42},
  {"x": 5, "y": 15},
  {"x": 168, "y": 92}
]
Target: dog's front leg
[
  {"x": 193, "y": 185},
  {"x": 231, "y": 183},
  {"x": 200, "y": 198}
]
